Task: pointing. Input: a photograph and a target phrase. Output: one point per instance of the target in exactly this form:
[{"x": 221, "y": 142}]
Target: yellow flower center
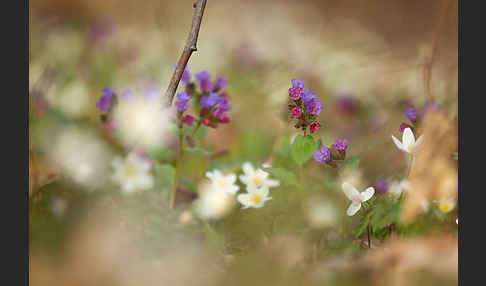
[
  {"x": 255, "y": 198},
  {"x": 257, "y": 180},
  {"x": 445, "y": 207},
  {"x": 410, "y": 148},
  {"x": 130, "y": 170},
  {"x": 221, "y": 183}
]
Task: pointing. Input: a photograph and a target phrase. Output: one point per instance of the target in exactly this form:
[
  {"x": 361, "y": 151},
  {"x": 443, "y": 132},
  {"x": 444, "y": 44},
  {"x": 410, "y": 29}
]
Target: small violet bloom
[
  {"x": 182, "y": 102},
  {"x": 411, "y": 114},
  {"x": 428, "y": 104},
  {"x": 296, "y": 112},
  {"x": 314, "y": 126},
  {"x": 308, "y": 96},
  {"x": 221, "y": 83},
  {"x": 105, "y": 101},
  {"x": 314, "y": 107},
  {"x": 204, "y": 80},
  {"x": 298, "y": 83},
  {"x": 186, "y": 77},
  {"x": 340, "y": 144},
  {"x": 323, "y": 155},
  {"x": 211, "y": 100},
  {"x": 381, "y": 185}
]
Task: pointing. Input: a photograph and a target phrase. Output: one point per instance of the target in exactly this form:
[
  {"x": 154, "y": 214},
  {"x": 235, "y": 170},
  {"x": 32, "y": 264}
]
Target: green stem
[
  {"x": 410, "y": 165},
  {"x": 177, "y": 170},
  {"x": 195, "y": 129},
  {"x": 301, "y": 167},
  {"x": 369, "y": 239}
]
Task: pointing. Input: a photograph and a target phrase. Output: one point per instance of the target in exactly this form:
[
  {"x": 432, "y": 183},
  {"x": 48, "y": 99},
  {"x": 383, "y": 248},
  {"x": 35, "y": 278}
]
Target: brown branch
[
  {"x": 189, "y": 48},
  {"x": 435, "y": 47}
]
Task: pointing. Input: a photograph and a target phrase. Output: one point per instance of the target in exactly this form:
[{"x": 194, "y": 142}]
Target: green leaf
[
  {"x": 352, "y": 162},
  {"x": 363, "y": 224},
  {"x": 164, "y": 177},
  {"x": 198, "y": 151},
  {"x": 283, "y": 175},
  {"x": 303, "y": 148}
]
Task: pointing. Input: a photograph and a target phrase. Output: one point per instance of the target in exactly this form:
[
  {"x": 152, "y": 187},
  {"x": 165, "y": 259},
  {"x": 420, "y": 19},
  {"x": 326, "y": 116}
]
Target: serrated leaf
[
  {"x": 283, "y": 175},
  {"x": 199, "y": 151},
  {"x": 303, "y": 148},
  {"x": 164, "y": 177}
]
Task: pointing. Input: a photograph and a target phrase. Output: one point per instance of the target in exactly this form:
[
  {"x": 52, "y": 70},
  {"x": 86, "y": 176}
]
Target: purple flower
[
  {"x": 297, "y": 83},
  {"x": 296, "y": 112},
  {"x": 105, "y": 101},
  {"x": 411, "y": 114},
  {"x": 381, "y": 185},
  {"x": 127, "y": 93},
  {"x": 323, "y": 155},
  {"x": 403, "y": 126},
  {"x": 186, "y": 76},
  {"x": 211, "y": 100},
  {"x": 346, "y": 103},
  {"x": 220, "y": 111},
  {"x": 341, "y": 144},
  {"x": 314, "y": 106},
  {"x": 428, "y": 104},
  {"x": 221, "y": 83},
  {"x": 182, "y": 102},
  {"x": 308, "y": 96},
  {"x": 204, "y": 79}
]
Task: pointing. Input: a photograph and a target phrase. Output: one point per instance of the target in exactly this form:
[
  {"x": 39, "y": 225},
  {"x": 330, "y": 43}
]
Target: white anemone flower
[
  {"x": 408, "y": 144},
  {"x": 356, "y": 197},
  {"x": 398, "y": 187},
  {"x": 254, "y": 198},
  {"x": 132, "y": 173},
  {"x": 212, "y": 202},
  {"x": 446, "y": 205},
  {"x": 223, "y": 183},
  {"x": 256, "y": 178}
]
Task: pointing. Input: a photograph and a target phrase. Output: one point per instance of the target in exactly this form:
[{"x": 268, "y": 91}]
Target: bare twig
[
  {"x": 189, "y": 48},
  {"x": 435, "y": 47}
]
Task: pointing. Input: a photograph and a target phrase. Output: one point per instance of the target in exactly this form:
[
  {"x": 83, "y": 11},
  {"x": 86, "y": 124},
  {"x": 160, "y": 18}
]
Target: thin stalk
[
  {"x": 177, "y": 170},
  {"x": 369, "y": 238},
  {"x": 411, "y": 160}
]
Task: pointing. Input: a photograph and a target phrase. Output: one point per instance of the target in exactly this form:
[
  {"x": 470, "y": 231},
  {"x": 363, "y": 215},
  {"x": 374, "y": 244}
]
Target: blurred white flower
[
  {"x": 447, "y": 205},
  {"x": 142, "y": 121},
  {"x": 356, "y": 197},
  {"x": 254, "y": 198},
  {"x": 457, "y": 221},
  {"x": 408, "y": 144},
  {"x": 223, "y": 183},
  {"x": 186, "y": 217},
  {"x": 213, "y": 203},
  {"x": 320, "y": 213},
  {"x": 132, "y": 173},
  {"x": 256, "y": 178},
  {"x": 58, "y": 207},
  {"x": 81, "y": 156},
  {"x": 398, "y": 187}
]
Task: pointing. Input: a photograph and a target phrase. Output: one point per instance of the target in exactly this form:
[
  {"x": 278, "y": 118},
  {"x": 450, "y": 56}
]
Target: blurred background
[{"x": 367, "y": 61}]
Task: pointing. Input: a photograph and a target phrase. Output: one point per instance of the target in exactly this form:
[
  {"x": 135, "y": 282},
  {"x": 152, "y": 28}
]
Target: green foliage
[
  {"x": 302, "y": 148},
  {"x": 283, "y": 175},
  {"x": 164, "y": 177},
  {"x": 199, "y": 151}
]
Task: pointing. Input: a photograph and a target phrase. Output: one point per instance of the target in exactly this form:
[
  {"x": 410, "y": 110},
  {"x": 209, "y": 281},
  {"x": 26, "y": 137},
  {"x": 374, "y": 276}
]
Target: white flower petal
[
  {"x": 244, "y": 179},
  {"x": 407, "y": 138},
  {"x": 351, "y": 192},
  {"x": 398, "y": 143},
  {"x": 248, "y": 168},
  {"x": 272, "y": 183},
  {"x": 367, "y": 194},
  {"x": 244, "y": 199},
  {"x": 231, "y": 178},
  {"x": 419, "y": 140},
  {"x": 353, "y": 208}
]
